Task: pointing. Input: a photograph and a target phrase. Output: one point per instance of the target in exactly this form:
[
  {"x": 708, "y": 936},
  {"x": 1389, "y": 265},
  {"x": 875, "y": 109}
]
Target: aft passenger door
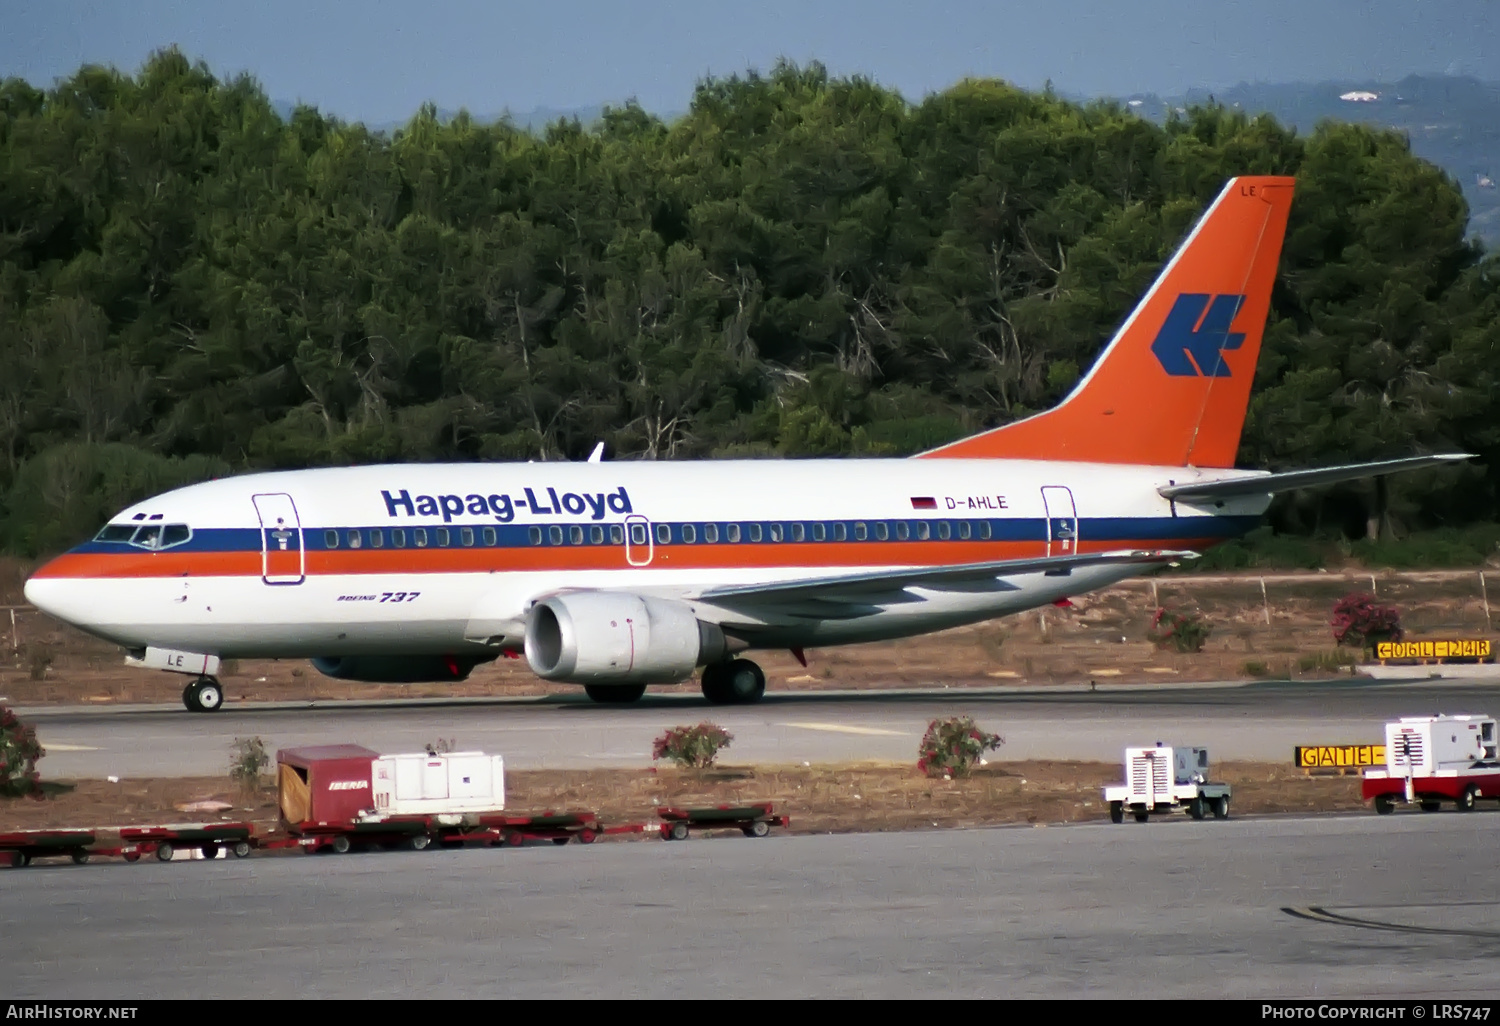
[
  {"x": 282, "y": 558},
  {"x": 1062, "y": 521}
]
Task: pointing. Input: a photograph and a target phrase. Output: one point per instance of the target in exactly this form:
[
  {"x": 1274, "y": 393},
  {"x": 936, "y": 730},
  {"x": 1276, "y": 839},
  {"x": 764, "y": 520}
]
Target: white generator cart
[
  {"x": 1433, "y": 759},
  {"x": 1160, "y": 779}
]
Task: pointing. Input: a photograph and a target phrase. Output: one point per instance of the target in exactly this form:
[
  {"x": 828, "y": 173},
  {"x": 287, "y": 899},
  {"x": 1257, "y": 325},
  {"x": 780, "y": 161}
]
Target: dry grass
[{"x": 819, "y": 799}]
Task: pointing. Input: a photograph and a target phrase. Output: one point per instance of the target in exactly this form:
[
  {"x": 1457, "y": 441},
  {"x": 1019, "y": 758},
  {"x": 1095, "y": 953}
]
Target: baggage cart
[{"x": 751, "y": 820}]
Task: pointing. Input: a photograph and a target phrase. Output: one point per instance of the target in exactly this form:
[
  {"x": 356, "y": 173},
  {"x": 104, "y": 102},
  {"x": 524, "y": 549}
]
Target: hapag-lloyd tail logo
[{"x": 1192, "y": 343}]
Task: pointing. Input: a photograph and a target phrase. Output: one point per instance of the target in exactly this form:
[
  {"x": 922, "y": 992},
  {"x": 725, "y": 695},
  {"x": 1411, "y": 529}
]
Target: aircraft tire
[
  {"x": 615, "y": 694},
  {"x": 203, "y": 695},
  {"x": 740, "y": 682}
]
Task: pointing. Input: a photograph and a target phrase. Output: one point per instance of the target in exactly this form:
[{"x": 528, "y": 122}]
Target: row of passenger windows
[{"x": 668, "y": 534}]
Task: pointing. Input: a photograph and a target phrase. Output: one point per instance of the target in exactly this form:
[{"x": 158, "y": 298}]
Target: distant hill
[{"x": 1452, "y": 121}]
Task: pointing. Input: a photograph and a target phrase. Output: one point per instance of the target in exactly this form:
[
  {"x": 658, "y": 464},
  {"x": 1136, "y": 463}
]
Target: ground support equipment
[
  {"x": 514, "y": 831},
  {"x": 1462, "y": 787},
  {"x": 208, "y": 838},
  {"x": 19, "y": 848},
  {"x": 412, "y": 832},
  {"x": 751, "y": 820},
  {"x": 1159, "y": 779}
]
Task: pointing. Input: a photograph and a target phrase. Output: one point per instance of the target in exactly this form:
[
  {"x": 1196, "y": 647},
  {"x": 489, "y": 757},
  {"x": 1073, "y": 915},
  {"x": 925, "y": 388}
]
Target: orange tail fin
[{"x": 1172, "y": 386}]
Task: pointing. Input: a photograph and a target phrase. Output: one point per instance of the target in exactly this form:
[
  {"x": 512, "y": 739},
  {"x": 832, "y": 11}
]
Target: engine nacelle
[
  {"x": 592, "y": 637},
  {"x": 398, "y": 669}
]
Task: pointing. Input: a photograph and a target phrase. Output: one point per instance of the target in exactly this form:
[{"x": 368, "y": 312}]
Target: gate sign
[
  {"x": 1473, "y": 648},
  {"x": 1339, "y": 756}
]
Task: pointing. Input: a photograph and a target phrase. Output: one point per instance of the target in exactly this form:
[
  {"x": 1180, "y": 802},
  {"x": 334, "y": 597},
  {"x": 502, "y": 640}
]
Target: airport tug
[
  {"x": 1433, "y": 759},
  {"x": 1160, "y": 779}
]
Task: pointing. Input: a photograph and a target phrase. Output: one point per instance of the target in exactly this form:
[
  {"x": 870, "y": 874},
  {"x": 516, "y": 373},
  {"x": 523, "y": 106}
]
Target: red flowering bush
[
  {"x": 19, "y": 751},
  {"x": 693, "y": 747},
  {"x": 953, "y": 747},
  {"x": 1185, "y": 632},
  {"x": 1359, "y": 622}
]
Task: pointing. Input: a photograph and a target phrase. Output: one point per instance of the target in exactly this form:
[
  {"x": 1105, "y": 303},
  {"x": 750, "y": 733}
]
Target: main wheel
[
  {"x": 340, "y": 844},
  {"x": 740, "y": 682},
  {"x": 1220, "y": 806},
  {"x": 204, "y": 695},
  {"x": 80, "y": 857},
  {"x": 679, "y": 832},
  {"x": 1384, "y": 804},
  {"x": 615, "y": 694},
  {"x": 19, "y": 860},
  {"x": 559, "y": 840},
  {"x": 418, "y": 842},
  {"x": 1430, "y": 805},
  {"x": 1195, "y": 808},
  {"x": 1466, "y": 799},
  {"x": 1117, "y": 812},
  {"x": 1141, "y": 817},
  {"x": 759, "y": 828},
  {"x": 241, "y": 849},
  {"x": 586, "y": 836},
  {"x": 164, "y": 852}
]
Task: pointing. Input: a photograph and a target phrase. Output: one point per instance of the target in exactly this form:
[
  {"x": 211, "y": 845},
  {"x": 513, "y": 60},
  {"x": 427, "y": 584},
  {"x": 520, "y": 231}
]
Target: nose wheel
[
  {"x": 740, "y": 682},
  {"x": 203, "y": 695}
]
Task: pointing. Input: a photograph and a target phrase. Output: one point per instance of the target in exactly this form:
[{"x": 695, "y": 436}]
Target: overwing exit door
[
  {"x": 1062, "y": 521},
  {"x": 283, "y": 560}
]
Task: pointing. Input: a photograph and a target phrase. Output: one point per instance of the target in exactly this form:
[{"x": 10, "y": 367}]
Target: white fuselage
[{"x": 447, "y": 558}]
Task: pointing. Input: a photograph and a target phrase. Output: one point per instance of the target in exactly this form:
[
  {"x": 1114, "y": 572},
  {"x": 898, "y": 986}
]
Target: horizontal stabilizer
[
  {"x": 1266, "y": 484},
  {"x": 849, "y": 586}
]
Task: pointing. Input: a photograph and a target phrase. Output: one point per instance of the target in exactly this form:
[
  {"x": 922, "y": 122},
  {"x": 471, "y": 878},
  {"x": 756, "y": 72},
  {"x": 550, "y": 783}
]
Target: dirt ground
[
  {"x": 819, "y": 799},
  {"x": 1271, "y": 626}
]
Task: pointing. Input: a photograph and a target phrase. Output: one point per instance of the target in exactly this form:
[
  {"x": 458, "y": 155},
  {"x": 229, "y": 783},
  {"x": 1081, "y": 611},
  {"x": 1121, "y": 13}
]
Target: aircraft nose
[{"x": 57, "y": 596}]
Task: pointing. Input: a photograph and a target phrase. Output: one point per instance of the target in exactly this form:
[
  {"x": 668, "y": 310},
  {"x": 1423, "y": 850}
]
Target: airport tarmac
[
  {"x": 1258, "y": 721},
  {"x": 1400, "y": 906}
]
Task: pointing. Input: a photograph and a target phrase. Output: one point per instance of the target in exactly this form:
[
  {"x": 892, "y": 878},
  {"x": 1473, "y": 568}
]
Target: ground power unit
[
  {"x": 1430, "y": 760},
  {"x": 1160, "y": 778}
]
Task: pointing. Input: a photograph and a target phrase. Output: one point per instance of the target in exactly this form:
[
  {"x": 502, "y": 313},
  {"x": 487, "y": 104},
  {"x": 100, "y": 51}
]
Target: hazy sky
[{"x": 377, "y": 60}]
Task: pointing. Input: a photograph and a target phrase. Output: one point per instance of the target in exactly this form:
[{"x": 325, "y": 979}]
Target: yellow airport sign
[
  {"x": 1339, "y": 756},
  {"x": 1472, "y": 648}
]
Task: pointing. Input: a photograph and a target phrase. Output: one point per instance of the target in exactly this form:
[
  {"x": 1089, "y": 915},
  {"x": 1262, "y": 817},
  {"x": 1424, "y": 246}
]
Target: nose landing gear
[
  {"x": 203, "y": 695},
  {"x": 740, "y": 682}
]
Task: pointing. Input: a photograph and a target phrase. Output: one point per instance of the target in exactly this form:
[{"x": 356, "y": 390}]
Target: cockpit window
[{"x": 146, "y": 536}]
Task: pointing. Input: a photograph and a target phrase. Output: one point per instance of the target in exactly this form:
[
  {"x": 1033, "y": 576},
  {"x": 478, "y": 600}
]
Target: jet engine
[
  {"x": 398, "y": 669},
  {"x": 590, "y": 637}
]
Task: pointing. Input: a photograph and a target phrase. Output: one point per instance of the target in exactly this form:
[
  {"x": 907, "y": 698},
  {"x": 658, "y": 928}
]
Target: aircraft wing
[
  {"x": 848, "y": 595},
  {"x": 1263, "y": 484}
]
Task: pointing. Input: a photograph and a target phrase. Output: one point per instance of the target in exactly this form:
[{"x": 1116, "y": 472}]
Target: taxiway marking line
[{"x": 839, "y": 728}]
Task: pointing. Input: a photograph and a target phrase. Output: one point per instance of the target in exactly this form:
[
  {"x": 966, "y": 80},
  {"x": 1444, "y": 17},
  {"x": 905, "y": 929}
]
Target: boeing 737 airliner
[{"x": 618, "y": 575}]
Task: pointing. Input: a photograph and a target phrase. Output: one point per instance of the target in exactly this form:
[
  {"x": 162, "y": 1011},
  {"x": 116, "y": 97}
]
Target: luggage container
[
  {"x": 324, "y": 784},
  {"x": 1160, "y": 779}
]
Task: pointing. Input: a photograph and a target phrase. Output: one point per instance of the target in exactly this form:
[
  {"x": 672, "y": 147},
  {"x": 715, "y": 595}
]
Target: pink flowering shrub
[
  {"x": 953, "y": 747},
  {"x": 1185, "y": 632},
  {"x": 1359, "y": 622},
  {"x": 19, "y": 751},
  {"x": 692, "y": 747}
]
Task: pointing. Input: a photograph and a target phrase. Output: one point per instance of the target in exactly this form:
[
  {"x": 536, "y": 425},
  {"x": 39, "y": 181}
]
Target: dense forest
[{"x": 191, "y": 285}]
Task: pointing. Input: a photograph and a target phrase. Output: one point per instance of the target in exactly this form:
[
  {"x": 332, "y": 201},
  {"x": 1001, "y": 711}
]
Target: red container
[{"x": 324, "y": 784}]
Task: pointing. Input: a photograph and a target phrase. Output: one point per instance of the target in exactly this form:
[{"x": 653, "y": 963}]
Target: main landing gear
[
  {"x": 203, "y": 695},
  {"x": 740, "y": 682}
]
